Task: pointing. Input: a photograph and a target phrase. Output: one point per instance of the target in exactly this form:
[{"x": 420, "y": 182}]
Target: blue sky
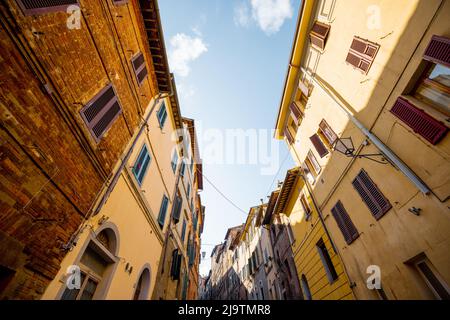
[{"x": 230, "y": 58}]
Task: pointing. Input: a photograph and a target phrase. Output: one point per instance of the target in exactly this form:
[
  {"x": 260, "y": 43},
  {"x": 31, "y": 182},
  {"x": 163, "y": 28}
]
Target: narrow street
[{"x": 207, "y": 150}]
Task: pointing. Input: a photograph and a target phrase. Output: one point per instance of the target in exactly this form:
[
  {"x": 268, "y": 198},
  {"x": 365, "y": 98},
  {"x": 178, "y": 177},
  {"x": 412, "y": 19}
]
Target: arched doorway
[{"x": 143, "y": 285}]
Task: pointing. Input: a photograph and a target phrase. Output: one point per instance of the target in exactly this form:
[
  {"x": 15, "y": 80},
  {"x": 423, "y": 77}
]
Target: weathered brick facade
[{"x": 51, "y": 169}]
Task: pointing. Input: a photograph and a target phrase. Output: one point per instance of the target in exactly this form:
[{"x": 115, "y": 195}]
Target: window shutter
[
  {"x": 99, "y": 114},
  {"x": 174, "y": 269},
  {"x": 318, "y": 144},
  {"x": 30, "y": 7},
  {"x": 344, "y": 223},
  {"x": 319, "y": 34},
  {"x": 139, "y": 67},
  {"x": 120, "y": 1},
  {"x": 288, "y": 136},
  {"x": 429, "y": 128},
  {"x": 327, "y": 132},
  {"x": 371, "y": 195},
  {"x": 176, "y": 209},
  {"x": 162, "y": 211},
  {"x": 362, "y": 53},
  {"x": 314, "y": 162},
  {"x": 296, "y": 112},
  {"x": 438, "y": 50}
]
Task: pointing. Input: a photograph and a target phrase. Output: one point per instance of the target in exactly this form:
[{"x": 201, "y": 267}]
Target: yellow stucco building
[{"x": 364, "y": 111}]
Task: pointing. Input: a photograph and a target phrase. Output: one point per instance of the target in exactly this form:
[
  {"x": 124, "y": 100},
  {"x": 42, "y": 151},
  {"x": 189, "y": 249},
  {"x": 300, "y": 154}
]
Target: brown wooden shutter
[
  {"x": 327, "y": 132},
  {"x": 362, "y": 53},
  {"x": 296, "y": 112},
  {"x": 99, "y": 113},
  {"x": 288, "y": 135},
  {"x": 344, "y": 223},
  {"x": 319, "y": 34},
  {"x": 304, "y": 88},
  {"x": 31, "y": 7},
  {"x": 371, "y": 195},
  {"x": 429, "y": 128},
  {"x": 318, "y": 144},
  {"x": 438, "y": 50},
  {"x": 140, "y": 69}
]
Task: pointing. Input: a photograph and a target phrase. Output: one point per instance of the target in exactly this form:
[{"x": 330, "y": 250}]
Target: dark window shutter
[
  {"x": 362, "y": 53},
  {"x": 296, "y": 112},
  {"x": 344, "y": 223},
  {"x": 176, "y": 265},
  {"x": 99, "y": 114},
  {"x": 30, "y": 7},
  {"x": 371, "y": 195},
  {"x": 438, "y": 50},
  {"x": 140, "y": 69},
  {"x": 162, "y": 211},
  {"x": 120, "y": 1},
  {"x": 429, "y": 128},
  {"x": 318, "y": 144},
  {"x": 327, "y": 132},
  {"x": 319, "y": 34},
  {"x": 288, "y": 136},
  {"x": 176, "y": 209}
]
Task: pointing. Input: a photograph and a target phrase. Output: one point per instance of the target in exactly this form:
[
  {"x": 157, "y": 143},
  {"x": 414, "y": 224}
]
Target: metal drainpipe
[{"x": 374, "y": 139}]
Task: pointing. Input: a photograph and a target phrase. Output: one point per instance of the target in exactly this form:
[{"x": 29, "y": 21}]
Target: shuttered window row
[
  {"x": 362, "y": 54},
  {"x": 319, "y": 34},
  {"x": 344, "y": 223},
  {"x": 377, "y": 203},
  {"x": 139, "y": 67},
  {"x": 423, "y": 124},
  {"x": 99, "y": 114},
  {"x": 30, "y": 7}
]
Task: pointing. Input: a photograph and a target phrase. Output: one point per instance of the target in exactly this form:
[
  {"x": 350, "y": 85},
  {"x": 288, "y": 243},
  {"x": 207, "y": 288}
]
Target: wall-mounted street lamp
[{"x": 346, "y": 147}]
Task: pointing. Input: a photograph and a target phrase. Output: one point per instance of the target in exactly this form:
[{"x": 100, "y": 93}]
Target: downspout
[{"x": 374, "y": 139}]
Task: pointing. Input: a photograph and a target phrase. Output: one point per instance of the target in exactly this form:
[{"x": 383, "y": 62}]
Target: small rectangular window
[
  {"x": 100, "y": 113},
  {"x": 377, "y": 203},
  {"x": 141, "y": 165},
  {"x": 319, "y": 34},
  {"x": 362, "y": 53},
  {"x": 326, "y": 261},
  {"x": 163, "y": 211},
  {"x": 183, "y": 168},
  {"x": 344, "y": 223},
  {"x": 327, "y": 133},
  {"x": 174, "y": 161},
  {"x": 305, "y": 206},
  {"x": 162, "y": 115},
  {"x": 319, "y": 145},
  {"x": 314, "y": 163},
  {"x": 176, "y": 209},
  {"x": 183, "y": 230},
  {"x": 33, "y": 7},
  {"x": 139, "y": 67}
]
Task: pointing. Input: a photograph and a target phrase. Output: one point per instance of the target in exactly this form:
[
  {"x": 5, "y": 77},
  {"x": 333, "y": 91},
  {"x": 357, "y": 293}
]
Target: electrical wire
[
  {"x": 278, "y": 172},
  {"x": 223, "y": 195}
]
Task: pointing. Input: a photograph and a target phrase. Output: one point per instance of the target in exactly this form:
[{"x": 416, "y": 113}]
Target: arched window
[
  {"x": 305, "y": 288},
  {"x": 96, "y": 266},
  {"x": 143, "y": 285}
]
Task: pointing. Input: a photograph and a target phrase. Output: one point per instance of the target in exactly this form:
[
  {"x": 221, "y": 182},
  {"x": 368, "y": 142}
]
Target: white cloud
[
  {"x": 185, "y": 49},
  {"x": 186, "y": 91},
  {"x": 242, "y": 15},
  {"x": 268, "y": 14}
]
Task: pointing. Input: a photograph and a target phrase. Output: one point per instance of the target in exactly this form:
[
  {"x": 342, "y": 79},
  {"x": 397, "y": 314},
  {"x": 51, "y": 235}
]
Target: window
[
  {"x": 326, "y": 261},
  {"x": 117, "y": 2},
  {"x": 305, "y": 206},
  {"x": 286, "y": 264},
  {"x": 142, "y": 286},
  {"x": 163, "y": 211},
  {"x": 99, "y": 113},
  {"x": 40, "y": 7},
  {"x": 174, "y": 161},
  {"x": 95, "y": 266},
  {"x": 162, "y": 115},
  {"x": 176, "y": 265},
  {"x": 140, "y": 70},
  {"x": 433, "y": 280},
  {"x": 305, "y": 288},
  {"x": 344, "y": 223},
  {"x": 326, "y": 134},
  {"x": 188, "y": 190},
  {"x": 294, "y": 120},
  {"x": 318, "y": 145},
  {"x": 371, "y": 195},
  {"x": 176, "y": 209},
  {"x": 309, "y": 175},
  {"x": 182, "y": 169},
  {"x": 314, "y": 164},
  {"x": 319, "y": 34},
  {"x": 141, "y": 165},
  {"x": 183, "y": 230},
  {"x": 362, "y": 53}
]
